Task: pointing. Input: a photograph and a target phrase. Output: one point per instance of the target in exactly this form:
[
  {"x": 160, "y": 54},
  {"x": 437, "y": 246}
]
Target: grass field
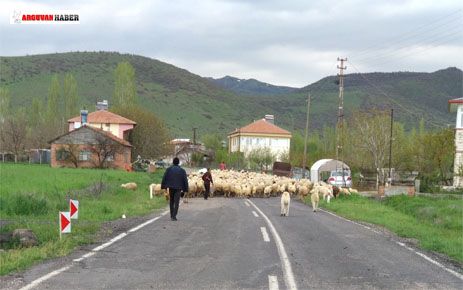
[
  {"x": 436, "y": 222},
  {"x": 32, "y": 195}
]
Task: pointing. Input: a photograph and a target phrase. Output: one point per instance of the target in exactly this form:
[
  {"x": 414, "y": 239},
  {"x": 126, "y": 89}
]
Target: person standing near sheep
[
  {"x": 176, "y": 181},
  {"x": 207, "y": 178},
  {"x": 222, "y": 166}
]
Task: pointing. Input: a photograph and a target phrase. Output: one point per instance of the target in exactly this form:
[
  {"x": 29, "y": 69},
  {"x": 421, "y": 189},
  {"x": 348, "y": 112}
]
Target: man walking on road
[{"x": 176, "y": 181}]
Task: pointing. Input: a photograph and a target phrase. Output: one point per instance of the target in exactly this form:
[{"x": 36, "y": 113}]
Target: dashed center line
[
  {"x": 255, "y": 214},
  {"x": 273, "y": 282},
  {"x": 265, "y": 234},
  {"x": 245, "y": 202}
]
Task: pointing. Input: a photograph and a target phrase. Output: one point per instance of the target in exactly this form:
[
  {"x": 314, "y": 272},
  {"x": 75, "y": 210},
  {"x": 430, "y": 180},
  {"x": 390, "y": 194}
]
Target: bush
[{"x": 27, "y": 204}]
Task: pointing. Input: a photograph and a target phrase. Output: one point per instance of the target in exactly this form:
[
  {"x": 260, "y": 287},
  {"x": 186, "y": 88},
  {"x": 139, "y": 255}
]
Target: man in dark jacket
[
  {"x": 207, "y": 178},
  {"x": 176, "y": 181}
]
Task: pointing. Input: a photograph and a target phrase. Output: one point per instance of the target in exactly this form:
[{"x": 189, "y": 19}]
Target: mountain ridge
[
  {"x": 186, "y": 100},
  {"x": 250, "y": 86}
]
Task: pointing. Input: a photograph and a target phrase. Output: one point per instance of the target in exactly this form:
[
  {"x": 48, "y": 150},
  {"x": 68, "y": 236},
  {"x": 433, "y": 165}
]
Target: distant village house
[
  {"x": 98, "y": 139},
  {"x": 262, "y": 133}
]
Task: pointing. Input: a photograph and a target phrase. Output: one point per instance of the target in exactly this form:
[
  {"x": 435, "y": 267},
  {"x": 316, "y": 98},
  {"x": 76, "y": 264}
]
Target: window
[
  {"x": 107, "y": 126},
  {"x": 61, "y": 154},
  {"x": 110, "y": 158},
  {"x": 461, "y": 120},
  {"x": 85, "y": 155}
]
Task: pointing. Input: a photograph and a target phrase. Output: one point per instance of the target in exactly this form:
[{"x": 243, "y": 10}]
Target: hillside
[
  {"x": 250, "y": 86},
  {"x": 412, "y": 96},
  {"x": 185, "y": 100}
]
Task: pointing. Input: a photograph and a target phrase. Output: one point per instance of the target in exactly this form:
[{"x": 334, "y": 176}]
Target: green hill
[{"x": 185, "y": 100}]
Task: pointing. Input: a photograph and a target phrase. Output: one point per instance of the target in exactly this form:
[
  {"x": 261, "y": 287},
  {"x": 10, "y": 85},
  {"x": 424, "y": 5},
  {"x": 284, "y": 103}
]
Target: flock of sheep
[{"x": 230, "y": 183}]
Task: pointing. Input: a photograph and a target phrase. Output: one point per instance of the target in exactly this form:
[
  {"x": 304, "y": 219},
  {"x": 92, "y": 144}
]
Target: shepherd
[{"x": 207, "y": 178}]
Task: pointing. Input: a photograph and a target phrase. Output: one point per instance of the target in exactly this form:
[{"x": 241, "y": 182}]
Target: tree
[
  {"x": 150, "y": 137},
  {"x": 53, "y": 99},
  {"x": 260, "y": 158},
  {"x": 105, "y": 149},
  {"x": 212, "y": 141},
  {"x": 71, "y": 97},
  {"x": 124, "y": 85},
  {"x": 236, "y": 160},
  {"x": 13, "y": 133},
  {"x": 70, "y": 152},
  {"x": 4, "y": 102},
  {"x": 440, "y": 149},
  {"x": 370, "y": 135}
]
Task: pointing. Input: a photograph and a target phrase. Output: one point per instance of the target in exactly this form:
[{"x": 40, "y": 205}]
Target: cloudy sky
[{"x": 290, "y": 43}]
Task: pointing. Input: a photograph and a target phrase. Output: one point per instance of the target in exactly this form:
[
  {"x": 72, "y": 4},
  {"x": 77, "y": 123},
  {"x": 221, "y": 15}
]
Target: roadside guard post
[
  {"x": 74, "y": 208},
  {"x": 64, "y": 223}
]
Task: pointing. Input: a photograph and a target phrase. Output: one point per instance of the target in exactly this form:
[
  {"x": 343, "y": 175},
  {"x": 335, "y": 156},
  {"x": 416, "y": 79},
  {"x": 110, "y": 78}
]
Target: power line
[
  {"x": 415, "y": 52},
  {"x": 391, "y": 99},
  {"x": 430, "y": 41},
  {"x": 412, "y": 33}
]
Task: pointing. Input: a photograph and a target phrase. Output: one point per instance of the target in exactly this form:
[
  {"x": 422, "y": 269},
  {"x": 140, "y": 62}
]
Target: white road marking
[
  {"x": 287, "y": 270},
  {"x": 247, "y": 203},
  {"x": 265, "y": 234},
  {"x": 272, "y": 282},
  {"x": 143, "y": 224},
  {"x": 43, "y": 278},
  {"x": 89, "y": 254},
  {"x": 456, "y": 274},
  {"x": 431, "y": 260},
  {"x": 359, "y": 224},
  {"x": 255, "y": 214}
]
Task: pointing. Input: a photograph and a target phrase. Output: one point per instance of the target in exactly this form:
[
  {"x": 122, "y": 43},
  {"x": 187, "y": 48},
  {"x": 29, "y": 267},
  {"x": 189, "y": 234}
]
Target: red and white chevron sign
[
  {"x": 65, "y": 222},
  {"x": 74, "y": 208}
]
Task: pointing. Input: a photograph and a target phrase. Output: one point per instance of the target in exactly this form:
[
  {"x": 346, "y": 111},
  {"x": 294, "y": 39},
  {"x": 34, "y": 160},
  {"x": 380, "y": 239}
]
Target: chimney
[
  {"x": 83, "y": 117},
  {"x": 102, "y": 106},
  {"x": 270, "y": 119}
]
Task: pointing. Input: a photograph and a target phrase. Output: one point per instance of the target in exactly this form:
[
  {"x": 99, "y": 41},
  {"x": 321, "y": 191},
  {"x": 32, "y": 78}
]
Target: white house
[
  {"x": 456, "y": 105},
  {"x": 262, "y": 133}
]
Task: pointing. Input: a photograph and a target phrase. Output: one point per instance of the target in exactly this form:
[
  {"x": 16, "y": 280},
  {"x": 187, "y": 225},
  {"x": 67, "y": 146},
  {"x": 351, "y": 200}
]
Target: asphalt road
[{"x": 228, "y": 244}]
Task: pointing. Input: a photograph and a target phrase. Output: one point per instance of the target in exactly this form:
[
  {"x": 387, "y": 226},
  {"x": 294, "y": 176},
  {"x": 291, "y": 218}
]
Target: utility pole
[
  {"x": 304, "y": 160},
  {"x": 340, "y": 123},
  {"x": 390, "y": 149}
]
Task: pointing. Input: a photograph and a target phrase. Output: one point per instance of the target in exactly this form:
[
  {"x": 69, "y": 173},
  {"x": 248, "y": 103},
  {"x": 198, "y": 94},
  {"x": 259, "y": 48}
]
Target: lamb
[
  {"x": 130, "y": 185},
  {"x": 267, "y": 191},
  {"x": 353, "y": 191},
  {"x": 285, "y": 201},
  {"x": 155, "y": 189},
  {"x": 344, "y": 191},
  {"x": 303, "y": 191},
  {"x": 325, "y": 190}
]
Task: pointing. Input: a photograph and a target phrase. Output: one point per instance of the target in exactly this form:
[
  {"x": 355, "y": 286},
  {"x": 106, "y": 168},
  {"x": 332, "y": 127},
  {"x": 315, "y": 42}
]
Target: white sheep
[{"x": 130, "y": 185}]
